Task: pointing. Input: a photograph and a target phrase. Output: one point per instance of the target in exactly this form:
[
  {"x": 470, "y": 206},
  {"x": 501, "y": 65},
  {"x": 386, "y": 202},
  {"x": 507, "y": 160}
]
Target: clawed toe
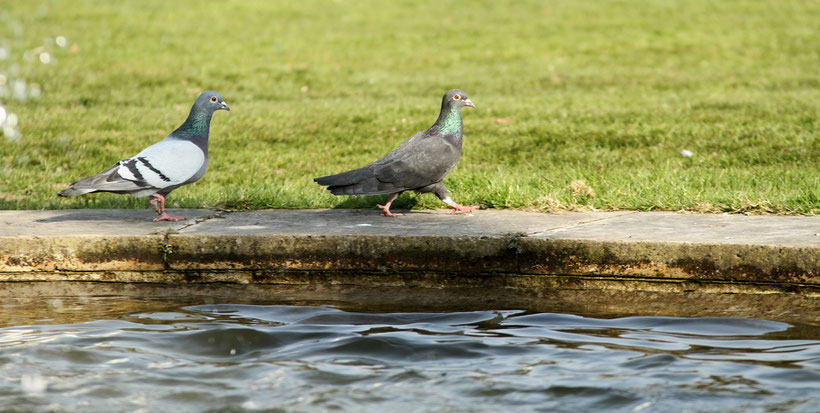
[
  {"x": 387, "y": 212},
  {"x": 166, "y": 217},
  {"x": 464, "y": 209}
]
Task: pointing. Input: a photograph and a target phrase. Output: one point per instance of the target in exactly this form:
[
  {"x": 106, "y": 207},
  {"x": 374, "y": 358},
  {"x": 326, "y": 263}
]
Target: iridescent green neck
[
  {"x": 449, "y": 121},
  {"x": 197, "y": 124}
]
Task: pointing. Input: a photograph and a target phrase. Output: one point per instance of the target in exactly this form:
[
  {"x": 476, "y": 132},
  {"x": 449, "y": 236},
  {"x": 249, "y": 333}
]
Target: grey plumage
[
  {"x": 179, "y": 159},
  {"x": 418, "y": 164}
]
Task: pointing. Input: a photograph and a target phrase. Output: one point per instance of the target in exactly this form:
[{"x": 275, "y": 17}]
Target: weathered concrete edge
[
  {"x": 424, "y": 280},
  {"x": 230, "y": 258}
]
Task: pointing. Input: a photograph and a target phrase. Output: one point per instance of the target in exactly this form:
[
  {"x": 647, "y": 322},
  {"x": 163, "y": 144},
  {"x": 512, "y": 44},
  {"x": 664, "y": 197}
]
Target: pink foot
[
  {"x": 387, "y": 213},
  {"x": 165, "y": 217},
  {"x": 464, "y": 209},
  {"x": 158, "y": 203}
]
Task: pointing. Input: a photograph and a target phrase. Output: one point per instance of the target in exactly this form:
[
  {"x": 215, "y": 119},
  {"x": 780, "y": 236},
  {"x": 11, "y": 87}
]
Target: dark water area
[{"x": 314, "y": 358}]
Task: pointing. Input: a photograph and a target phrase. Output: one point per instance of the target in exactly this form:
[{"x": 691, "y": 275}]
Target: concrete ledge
[{"x": 531, "y": 254}]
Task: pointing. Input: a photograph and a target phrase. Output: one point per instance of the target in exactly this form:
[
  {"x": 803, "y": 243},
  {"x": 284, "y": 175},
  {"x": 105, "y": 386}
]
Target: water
[{"x": 306, "y": 358}]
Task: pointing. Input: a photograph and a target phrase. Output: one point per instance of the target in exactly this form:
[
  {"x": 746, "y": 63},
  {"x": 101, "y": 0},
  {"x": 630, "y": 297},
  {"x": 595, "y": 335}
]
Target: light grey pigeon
[
  {"x": 418, "y": 164},
  {"x": 179, "y": 159}
]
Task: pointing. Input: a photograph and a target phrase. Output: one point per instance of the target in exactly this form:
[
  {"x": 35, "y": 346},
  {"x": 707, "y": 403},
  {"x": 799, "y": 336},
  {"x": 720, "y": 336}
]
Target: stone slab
[
  {"x": 492, "y": 223},
  {"x": 595, "y": 250},
  {"x": 667, "y": 227},
  {"x": 81, "y": 222}
]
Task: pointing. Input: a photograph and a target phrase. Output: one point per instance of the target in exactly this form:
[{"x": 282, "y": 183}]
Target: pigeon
[
  {"x": 418, "y": 164},
  {"x": 179, "y": 159}
]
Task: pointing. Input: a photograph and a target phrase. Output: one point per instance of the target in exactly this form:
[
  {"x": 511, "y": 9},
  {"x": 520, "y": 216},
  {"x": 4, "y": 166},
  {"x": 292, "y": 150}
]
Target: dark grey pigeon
[
  {"x": 418, "y": 164},
  {"x": 179, "y": 159}
]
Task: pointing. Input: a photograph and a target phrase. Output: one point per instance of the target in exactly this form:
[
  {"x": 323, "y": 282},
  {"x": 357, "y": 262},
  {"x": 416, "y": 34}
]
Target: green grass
[{"x": 608, "y": 92}]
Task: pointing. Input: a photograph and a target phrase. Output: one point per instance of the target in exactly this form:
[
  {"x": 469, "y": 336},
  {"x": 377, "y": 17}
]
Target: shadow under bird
[
  {"x": 179, "y": 159},
  {"x": 418, "y": 164}
]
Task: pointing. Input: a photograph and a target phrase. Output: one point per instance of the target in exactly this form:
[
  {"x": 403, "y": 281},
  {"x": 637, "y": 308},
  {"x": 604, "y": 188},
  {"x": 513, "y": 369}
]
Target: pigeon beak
[
  {"x": 225, "y": 106},
  {"x": 469, "y": 103}
]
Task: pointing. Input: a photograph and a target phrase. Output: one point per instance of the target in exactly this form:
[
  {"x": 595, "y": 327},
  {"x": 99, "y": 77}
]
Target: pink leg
[
  {"x": 459, "y": 208},
  {"x": 158, "y": 203},
  {"x": 386, "y": 207}
]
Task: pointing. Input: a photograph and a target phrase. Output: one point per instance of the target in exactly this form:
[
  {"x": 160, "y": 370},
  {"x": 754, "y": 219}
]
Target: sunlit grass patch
[{"x": 606, "y": 93}]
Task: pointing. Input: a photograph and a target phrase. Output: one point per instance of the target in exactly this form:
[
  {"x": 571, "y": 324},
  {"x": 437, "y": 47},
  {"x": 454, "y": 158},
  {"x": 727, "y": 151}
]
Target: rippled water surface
[{"x": 320, "y": 358}]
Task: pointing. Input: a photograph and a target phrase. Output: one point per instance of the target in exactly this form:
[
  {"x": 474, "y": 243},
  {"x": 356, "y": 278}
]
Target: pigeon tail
[
  {"x": 74, "y": 191},
  {"x": 361, "y": 181},
  {"x": 106, "y": 181},
  {"x": 347, "y": 178},
  {"x": 369, "y": 187}
]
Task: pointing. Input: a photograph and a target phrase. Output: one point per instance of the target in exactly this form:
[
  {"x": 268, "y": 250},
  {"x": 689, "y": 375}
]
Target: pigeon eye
[
  {"x": 213, "y": 99},
  {"x": 456, "y": 97}
]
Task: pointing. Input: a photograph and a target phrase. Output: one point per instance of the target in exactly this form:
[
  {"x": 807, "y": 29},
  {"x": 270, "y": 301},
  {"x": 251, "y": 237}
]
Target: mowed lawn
[{"x": 581, "y": 104}]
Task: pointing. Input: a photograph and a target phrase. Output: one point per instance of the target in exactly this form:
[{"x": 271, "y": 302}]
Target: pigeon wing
[
  {"x": 170, "y": 162},
  {"x": 167, "y": 163},
  {"x": 422, "y": 160}
]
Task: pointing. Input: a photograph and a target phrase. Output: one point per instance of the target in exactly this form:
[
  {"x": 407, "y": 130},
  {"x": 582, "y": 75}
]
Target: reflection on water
[{"x": 319, "y": 358}]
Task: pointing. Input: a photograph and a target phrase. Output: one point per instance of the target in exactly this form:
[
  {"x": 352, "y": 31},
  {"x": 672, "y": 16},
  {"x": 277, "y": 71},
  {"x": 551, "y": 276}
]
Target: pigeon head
[
  {"x": 449, "y": 119},
  {"x": 209, "y": 102},
  {"x": 456, "y": 98},
  {"x": 199, "y": 120}
]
